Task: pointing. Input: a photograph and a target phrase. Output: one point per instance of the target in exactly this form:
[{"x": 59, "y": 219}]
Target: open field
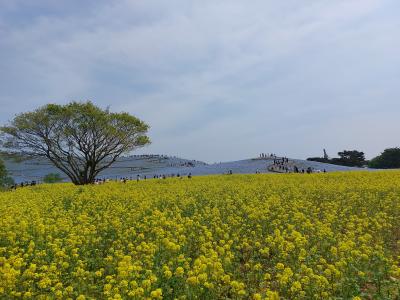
[{"x": 319, "y": 236}]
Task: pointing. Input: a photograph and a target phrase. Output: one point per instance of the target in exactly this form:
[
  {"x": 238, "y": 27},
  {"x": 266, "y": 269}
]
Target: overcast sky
[{"x": 216, "y": 80}]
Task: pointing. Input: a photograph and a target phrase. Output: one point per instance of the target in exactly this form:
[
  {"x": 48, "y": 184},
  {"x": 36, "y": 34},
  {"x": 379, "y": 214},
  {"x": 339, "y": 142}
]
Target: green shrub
[
  {"x": 5, "y": 180},
  {"x": 52, "y": 178}
]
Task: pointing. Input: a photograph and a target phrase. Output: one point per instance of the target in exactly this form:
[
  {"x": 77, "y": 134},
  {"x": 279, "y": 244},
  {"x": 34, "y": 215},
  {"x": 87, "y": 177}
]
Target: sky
[{"x": 216, "y": 80}]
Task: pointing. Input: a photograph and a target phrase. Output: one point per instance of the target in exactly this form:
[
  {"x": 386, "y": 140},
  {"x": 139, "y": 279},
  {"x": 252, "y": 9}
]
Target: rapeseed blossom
[{"x": 274, "y": 237}]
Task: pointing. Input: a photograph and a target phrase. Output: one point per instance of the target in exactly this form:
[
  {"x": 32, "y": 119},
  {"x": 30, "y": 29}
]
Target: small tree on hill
[{"x": 80, "y": 139}]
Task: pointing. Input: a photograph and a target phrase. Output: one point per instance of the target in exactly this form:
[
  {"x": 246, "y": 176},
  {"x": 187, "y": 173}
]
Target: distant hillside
[
  {"x": 24, "y": 169},
  {"x": 11, "y": 156}
]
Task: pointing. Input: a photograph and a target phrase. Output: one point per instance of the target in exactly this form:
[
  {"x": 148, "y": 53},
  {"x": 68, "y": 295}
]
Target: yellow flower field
[{"x": 320, "y": 236}]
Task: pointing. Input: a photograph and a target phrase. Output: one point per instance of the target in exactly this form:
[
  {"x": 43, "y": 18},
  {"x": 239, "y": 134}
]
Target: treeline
[{"x": 388, "y": 159}]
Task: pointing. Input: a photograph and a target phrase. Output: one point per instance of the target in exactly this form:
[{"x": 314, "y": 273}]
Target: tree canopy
[
  {"x": 79, "y": 138},
  {"x": 350, "y": 158},
  {"x": 389, "y": 159}
]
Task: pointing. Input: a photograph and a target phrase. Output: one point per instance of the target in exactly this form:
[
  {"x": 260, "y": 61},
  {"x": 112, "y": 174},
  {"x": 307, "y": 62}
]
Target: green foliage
[
  {"x": 319, "y": 159},
  {"x": 350, "y": 158},
  {"x": 389, "y": 159},
  {"x": 5, "y": 180},
  {"x": 52, "y": 178},
  {"x": 80, "y": 139}
]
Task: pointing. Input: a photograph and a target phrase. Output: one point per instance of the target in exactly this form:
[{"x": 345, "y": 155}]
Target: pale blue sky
[{"x": 216, "y": 80}]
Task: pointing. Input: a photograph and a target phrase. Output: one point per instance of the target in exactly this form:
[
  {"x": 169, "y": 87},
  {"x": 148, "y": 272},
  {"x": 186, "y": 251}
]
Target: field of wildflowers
[{"x": 321, "y": 236}]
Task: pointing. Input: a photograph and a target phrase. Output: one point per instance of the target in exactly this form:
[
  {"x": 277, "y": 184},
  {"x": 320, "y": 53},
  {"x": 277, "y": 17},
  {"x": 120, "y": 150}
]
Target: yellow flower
[
  {"x": 58, "y": 294},
  {"x": 156, "y": 294},
  {"x": 296, "y": 287},
  {"x": 146, "y": 283},
  {"x": 271, "y": 295},
  {"x": 139, "y": 291},
  {"x": 44, "y": 283},
  {"x": 192, "y": 280},
  {"x": 167, "y": 274},
  {"x": 267, "y": 276},
  {"x": 179, "y": 271},
  {"x": 226, "y": 278},
  {"x": 202, "y": 277}
]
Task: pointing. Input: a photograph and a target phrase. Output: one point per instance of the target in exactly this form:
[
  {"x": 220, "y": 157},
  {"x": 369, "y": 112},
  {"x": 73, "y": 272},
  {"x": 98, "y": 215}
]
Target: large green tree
[
  {"x": 389, "y": 159},
  {"x": 79, "y": 138},
  {"x": 351, "y": 158}
]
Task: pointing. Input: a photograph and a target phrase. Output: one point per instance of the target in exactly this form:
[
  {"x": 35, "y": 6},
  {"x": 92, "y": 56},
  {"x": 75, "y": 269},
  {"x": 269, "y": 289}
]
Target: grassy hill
[{"x": 23, "y": 169}]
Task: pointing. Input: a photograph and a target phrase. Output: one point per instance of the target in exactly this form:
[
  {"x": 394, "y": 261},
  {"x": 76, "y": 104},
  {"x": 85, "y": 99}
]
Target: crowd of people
[
  {"x": 190, "y": 164},
  {"x": 283, "y": 165},
  {"x": 143, "y": 177},
  {"x": 149, "y": 156},
  {"x": 266, "y": 155},
  {"x": 23, "y": 184},
  {"x": 99, "y": 181}
]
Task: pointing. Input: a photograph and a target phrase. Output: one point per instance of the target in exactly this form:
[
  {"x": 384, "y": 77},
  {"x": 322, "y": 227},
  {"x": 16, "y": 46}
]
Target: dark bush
[{"x": 389, "y": 159}]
